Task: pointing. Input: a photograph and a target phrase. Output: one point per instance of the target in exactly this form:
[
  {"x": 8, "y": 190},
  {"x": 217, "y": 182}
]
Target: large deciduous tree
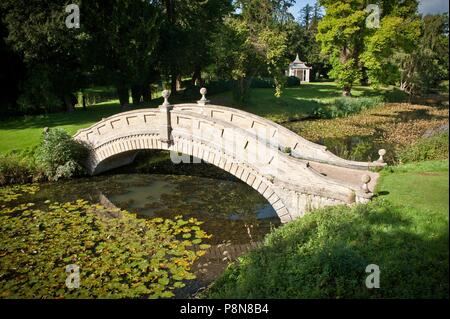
[
  {"x": 341, "y": 34},
  {"x": 121, "y": 46},
  {"x": 253, "y": 42},
  {"x": 186, "y": 34},
  {"x": 50, "y": 50},
  {"x": 387, "y": 46}
]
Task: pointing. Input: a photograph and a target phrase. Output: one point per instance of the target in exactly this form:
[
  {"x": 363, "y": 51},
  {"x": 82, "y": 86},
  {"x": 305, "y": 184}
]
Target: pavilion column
[{"x": 307, "y": 75}]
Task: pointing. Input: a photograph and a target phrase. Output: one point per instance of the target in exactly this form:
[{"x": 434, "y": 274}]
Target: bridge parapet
[{"x": 233, "y": 140}]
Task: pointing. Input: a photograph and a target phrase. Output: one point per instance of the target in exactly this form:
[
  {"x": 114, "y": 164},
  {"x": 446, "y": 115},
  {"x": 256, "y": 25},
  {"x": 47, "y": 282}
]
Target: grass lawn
[
  {"x": 24, "y": 132},
  {"x": 324, "y": 254},
  {"x": 297, "y": 103}
]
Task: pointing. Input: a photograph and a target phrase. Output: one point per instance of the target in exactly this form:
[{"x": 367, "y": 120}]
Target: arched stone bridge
[{"x": 293, "y": 174}]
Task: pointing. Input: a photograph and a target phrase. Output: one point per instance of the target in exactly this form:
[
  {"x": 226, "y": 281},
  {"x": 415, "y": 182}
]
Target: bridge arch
[{"x": 292, "y": 182}]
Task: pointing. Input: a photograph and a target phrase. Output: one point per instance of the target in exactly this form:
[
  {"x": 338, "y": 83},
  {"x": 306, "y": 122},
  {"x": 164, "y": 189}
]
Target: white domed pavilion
[{"x": 299, "y": 69}]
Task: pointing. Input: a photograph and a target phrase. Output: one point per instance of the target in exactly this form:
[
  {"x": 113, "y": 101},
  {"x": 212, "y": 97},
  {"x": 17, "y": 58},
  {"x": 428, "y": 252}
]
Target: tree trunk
[
  {"x": 347, "y": 90},
  {"x": 147, "y": 93},
  {"x": 84, "y": 103},
  {"x": 179, "y": 83},
  {"x": 68, "y": 101},
  {"x": 173, "y": 83},
  {"x": 136, "y": 94},
  {"x": 122, "y": 92},
  {"x": 197, "y": 76}
]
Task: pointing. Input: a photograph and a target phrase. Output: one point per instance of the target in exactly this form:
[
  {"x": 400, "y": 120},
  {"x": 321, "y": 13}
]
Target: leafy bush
[
  {"x": 426, "y": 149},
  {"x": 292, "y": 81},
  {"x": 39, "y": 94},
  {"x": 60, "y": 156},
  {"x": 13, "y": 169},
  {"x": 219, "y": 86},
  {"x": 345, "y": 106},
  {"x": 325, "y": 253},
  {"x": 262, "y": 83}
]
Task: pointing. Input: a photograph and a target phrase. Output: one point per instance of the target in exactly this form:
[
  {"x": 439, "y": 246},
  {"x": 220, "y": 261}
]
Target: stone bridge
[{"x": 293, "y": 174}]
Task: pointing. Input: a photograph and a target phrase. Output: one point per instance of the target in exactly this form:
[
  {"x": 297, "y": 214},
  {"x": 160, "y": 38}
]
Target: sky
[{"x": 425, "y": 6}]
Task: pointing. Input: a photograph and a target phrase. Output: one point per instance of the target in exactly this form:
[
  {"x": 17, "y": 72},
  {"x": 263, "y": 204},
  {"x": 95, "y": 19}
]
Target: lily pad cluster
[
  {"x": 13, "y": 192},
  {"x": 117, "y": 254}
]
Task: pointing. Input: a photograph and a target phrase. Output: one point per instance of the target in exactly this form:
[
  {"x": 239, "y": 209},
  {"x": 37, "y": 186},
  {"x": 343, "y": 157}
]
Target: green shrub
[
  {"x": 218, "y": 86},
  {"x": 346, "y": 106},
  {"x": 14, "y": 169},
  {"x": 292, "y": 81},
  {"x": 262, "y": 83},
  {"x": 426, "y": 149},
  {"x": 60, "y": 156},
  {"x": 324, "y": 255}
]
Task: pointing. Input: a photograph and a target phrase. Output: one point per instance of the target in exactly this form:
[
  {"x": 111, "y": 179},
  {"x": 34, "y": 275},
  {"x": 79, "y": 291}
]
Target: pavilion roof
[{"x": 298, "y": 64}]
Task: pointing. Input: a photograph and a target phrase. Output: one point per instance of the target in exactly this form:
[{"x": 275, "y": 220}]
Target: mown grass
[
  {"x": 324, "y": 254},
  {"x": 296, "y": 103}
]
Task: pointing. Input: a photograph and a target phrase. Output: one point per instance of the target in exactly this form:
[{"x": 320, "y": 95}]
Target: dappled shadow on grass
[
  {"x": 78, "y": 117},
  {"x": 324, "y": 255}
]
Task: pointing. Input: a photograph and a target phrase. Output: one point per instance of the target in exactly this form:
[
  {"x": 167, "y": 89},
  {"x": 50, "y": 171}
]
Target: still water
[{"x": 234, "y": 214}]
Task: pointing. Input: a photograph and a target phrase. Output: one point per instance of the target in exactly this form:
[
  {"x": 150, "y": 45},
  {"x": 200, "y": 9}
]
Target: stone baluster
[
  {"x": 203, "y": 101},
  {"x": 365, "y": 186},
  {"x": 164, "y": 118},
  {"x": 381, "y": 152}
]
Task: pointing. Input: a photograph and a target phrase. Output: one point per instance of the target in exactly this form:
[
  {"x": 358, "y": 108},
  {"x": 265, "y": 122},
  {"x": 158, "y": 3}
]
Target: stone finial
[
  {"x": 165, "y": 95},
  {"x": 365, "y": 186},
  {"x": 381, "y": 152},
  {"x": 203, "y": 100}
]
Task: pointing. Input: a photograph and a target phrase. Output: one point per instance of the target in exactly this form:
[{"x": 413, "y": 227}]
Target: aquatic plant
[{"x": 118, "y": 255}]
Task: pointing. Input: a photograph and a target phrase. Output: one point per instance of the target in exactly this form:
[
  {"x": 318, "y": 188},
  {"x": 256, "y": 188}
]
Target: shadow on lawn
[{"x": 78, "y": 117}]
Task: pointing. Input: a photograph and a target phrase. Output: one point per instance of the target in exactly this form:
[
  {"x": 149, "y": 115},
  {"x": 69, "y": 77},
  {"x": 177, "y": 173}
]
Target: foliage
[
  {"x": 39, "y": 93},
  {"x": 325, "y": 253},
  {"x": 340, "y": 34},
  {"x": 392, "y": 126},
  {"x": 252, "y": 44},
  {"x": 426, "y": 149},
  {"x": 18, "y": 167},
  {"x": 119, "y": 256},
  {"x": 124, "y": 34},
  {"x": 38, "y": 33},
  {"x": 292, "y": 81},
  {"x": 12, "y": 193},
  {"x": 381, "y": 57},
  {"x": 346, "y": 106},
  {"x": 59, "y": 155},
  {"x": 296, "y": 103}
]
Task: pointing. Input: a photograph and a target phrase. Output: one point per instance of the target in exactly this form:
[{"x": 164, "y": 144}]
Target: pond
[{"x": 234, "y": 214}]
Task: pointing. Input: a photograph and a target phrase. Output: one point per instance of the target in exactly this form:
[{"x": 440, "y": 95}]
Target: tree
[
  {"x": 50, "y": 51},
  {"x": 252, "y": 43},
  {"x": 302, "y": 40},
  {"x": 306, "y": 16},
  {"x": 340, "y": 33},
  {"x": 187, "y": 30},
  {"x": 12, "y": 72},
  {"x": 121, "y": 45},
  {"x": 401, "y": 50},
  {"x": 355, "y": 49}
]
